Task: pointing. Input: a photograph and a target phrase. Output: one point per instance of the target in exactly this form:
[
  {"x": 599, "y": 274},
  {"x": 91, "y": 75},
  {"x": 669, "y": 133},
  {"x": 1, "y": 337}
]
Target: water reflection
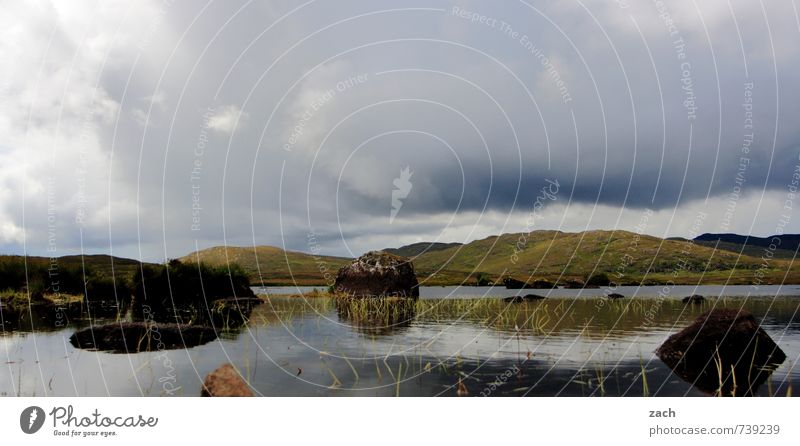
[
  {"x": 377, "y": 316},
  {"x": 296, "y": 346}
]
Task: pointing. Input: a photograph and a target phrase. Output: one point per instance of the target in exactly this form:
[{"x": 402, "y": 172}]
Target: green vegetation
[
  {"x": 621, "y": 257},
  {"x": 67, "y": 280},
  {"x": 625, "y": 257},
  {"x": 593, "y": 257},
  {"x": 177, "y": 283},
  {"x": 56, "y": 280}
]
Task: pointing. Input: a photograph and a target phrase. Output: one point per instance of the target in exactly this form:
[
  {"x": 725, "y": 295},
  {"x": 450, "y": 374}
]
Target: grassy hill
[
  {"x": 552, "y": 255},
  {"x": 629, "y": 257},
  {"x": 416, "y": 249},
  {"x": 268, "y": 265}
]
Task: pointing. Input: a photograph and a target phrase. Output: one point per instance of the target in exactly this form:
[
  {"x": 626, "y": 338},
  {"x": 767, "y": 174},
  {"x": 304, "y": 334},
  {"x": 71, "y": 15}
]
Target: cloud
[
  {"x": 227, "y": 119},
  {"x": 120, "y": 118}
]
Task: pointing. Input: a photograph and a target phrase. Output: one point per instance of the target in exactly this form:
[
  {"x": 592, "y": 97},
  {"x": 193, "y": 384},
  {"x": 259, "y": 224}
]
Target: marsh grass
[{"x": 380, "y": 316}]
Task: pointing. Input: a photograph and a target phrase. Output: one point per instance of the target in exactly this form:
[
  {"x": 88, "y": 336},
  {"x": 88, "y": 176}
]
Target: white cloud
[
  {"x": 227, "y": 118},
  {"x": 54, "y": 114}
]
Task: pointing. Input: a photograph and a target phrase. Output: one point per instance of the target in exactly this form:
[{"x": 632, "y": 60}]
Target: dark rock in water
[
  {"x": 693, "y": 299},
  {"x": 615, "y": 296},
  {"x": 540, "y": 284},
  {"x": 598, "y": 280},
  {"x": 133, "y": 337},
  {"x": 525, "y": 298},
  {"x": 225, "y": 381},
  {"x": 514, "y": 284},
  {"x": 574, "y": 284},
  {"x": 723, "y": 352},
  {"x": 378, "y": 273}
]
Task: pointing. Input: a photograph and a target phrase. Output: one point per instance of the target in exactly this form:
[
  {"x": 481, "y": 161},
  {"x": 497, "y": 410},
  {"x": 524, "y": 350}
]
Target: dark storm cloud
[{"x": 317, "y": 112}]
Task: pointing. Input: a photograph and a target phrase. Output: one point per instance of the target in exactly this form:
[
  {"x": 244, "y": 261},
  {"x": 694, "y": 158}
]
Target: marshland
[{"x": 463, "y": 341}]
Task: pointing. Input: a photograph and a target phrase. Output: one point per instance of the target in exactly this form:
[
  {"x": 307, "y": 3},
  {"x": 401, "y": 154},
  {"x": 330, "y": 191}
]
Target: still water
[
  {"x": 440, "y": 345},
  {"x": 473, "y": 292}
]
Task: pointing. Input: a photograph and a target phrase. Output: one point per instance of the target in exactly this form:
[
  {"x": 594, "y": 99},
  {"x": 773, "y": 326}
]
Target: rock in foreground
[
  {"x": 225, "y": 381},
  {"x": 723, "y": 352},
  {"x": 133, "y": 337},
  {"x": 378, "y": 273}
]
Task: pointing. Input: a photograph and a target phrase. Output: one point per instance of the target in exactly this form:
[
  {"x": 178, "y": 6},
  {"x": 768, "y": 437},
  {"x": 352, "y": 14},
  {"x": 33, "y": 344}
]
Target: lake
[
  {"x": 443, "y": 344},
  {"x": 472, "y": 292}
]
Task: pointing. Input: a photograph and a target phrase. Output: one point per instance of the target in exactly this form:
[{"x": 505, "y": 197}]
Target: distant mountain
[
  {"x": 750, "y": 245},
  {"x": 416, "y": 249}
]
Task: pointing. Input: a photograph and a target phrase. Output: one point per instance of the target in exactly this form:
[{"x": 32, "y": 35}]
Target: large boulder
[
  {"x": 225, "y": 382},
  {"x": 724, "y": 352},
  {"x": 377, "y": 274}
]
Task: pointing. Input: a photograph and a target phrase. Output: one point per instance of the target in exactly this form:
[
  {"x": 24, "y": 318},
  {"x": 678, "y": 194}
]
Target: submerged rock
[
  {"x": 693, "y": 299},
  {"x": 724, "y": 352},
  {"x": 134, "y": 337},
  {"x": 225, "y": 381},
  {"x": 378, "y": 273},
  {"x": 525, "y": 298}
]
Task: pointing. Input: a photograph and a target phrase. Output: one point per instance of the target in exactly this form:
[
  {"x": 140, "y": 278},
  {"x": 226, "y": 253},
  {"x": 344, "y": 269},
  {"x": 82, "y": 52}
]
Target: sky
[{"x": 150, "y": 129}]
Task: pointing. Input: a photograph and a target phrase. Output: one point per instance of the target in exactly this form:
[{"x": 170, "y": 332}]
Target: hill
[
  {"x": 268, "y": 265},
  {"x": 628, "y": 258},
  {"x": 416, "y": 249},
  {"x": 754, "y": 246},
  {"x": 631, "y": 258}
]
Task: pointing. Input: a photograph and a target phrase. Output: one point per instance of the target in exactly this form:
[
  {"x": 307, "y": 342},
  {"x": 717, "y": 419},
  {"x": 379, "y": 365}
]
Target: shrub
[{"x": 177, "y": 283}]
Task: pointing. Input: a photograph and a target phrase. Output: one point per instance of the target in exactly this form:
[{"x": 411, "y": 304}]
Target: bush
[
  {"x": 39, "y": 278},
  {"x": 106, "y": 289},
  {"x": 176, "y": 283}
]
